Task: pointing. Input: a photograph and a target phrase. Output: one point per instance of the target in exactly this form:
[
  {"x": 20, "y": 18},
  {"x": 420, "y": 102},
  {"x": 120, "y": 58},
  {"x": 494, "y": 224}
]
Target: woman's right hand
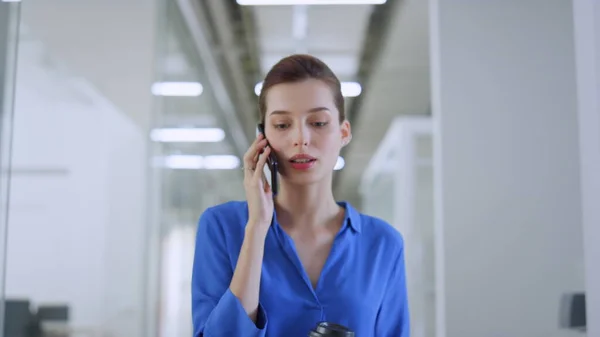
[{"x": 258, "y": 190}]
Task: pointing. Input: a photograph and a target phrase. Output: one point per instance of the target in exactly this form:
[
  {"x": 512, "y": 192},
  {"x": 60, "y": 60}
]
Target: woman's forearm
[{"x": 245, "y": 284}]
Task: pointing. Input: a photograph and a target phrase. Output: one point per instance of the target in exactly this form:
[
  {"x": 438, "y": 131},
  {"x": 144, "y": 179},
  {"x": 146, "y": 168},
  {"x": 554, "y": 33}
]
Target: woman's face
[{"x": 302, "y": 127}]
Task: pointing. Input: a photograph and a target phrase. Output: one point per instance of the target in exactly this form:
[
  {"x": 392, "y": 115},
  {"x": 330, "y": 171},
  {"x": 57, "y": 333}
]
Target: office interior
[{"x": 476, "y": 133}]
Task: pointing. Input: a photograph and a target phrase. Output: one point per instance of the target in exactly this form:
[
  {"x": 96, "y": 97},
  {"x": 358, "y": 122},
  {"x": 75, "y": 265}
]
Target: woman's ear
[{"x": 346, "y": 131}]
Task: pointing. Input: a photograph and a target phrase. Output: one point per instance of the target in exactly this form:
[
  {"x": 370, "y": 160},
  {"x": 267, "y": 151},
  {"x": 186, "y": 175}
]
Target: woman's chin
[{"x": 305, "y": 178}]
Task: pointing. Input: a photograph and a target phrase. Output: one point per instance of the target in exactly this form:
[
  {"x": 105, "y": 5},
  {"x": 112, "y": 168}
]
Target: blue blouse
[{"x": 362, "y": 284}]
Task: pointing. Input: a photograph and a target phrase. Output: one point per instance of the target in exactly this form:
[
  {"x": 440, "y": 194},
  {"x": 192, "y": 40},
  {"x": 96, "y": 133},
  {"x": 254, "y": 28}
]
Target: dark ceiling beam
[
  {"x": 375, "y": 39},
  {"x": 246, "y": 31},
  {"x": 230, "y": 31},
  {"x": 232, "y": 51},
  {"x": 234, "y": 37},
  {"x": 195, "y": 18},
  {"x": 247, "y": 34}
]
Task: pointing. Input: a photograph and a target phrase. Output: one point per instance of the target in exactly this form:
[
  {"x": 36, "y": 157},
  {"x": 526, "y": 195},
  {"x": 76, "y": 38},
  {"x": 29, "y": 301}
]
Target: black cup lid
[{"x": 327, "y": 329}]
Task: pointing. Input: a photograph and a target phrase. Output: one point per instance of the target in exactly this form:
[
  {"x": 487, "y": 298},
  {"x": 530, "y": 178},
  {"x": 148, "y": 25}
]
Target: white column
[
  {"x": 508, "y": 198},
  {"x": 587, "y": 42}
]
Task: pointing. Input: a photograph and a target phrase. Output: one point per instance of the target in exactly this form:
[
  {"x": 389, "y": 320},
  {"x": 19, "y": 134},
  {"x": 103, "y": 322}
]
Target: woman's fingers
[
  {"x": 266, "y": 186},
  {"x": 260, "y": 165},
  {"x": 260, "y": 146},
  {"x": 250, "y": 152},
  {"x": 251, "y": 156}
]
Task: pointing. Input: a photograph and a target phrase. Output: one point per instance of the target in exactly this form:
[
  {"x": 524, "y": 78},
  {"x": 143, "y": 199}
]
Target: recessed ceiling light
[
  {"x": 349, "y": 89},
  {"x": 308, "y": 2},
  {"x": 339, "y": 164},
  {"x": 258, "y": 88}
]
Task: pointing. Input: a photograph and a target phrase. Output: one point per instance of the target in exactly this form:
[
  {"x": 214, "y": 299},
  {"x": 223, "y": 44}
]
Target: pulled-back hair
[{"x": 297, "y": 68}]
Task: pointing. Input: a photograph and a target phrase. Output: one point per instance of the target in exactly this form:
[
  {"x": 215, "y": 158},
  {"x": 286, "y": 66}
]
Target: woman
[{"x": 276, "y": 266}]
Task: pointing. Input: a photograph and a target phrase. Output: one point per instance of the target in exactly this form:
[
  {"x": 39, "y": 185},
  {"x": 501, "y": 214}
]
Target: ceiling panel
[{"x": 333, "y": 33}]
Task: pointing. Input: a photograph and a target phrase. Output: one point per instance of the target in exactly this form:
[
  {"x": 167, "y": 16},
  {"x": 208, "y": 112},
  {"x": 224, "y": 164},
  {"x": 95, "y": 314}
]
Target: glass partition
[
  {"x": 398, "y": 187},
  {"x": 116, "y": 148},
  {"x": 9, "y": 23}
]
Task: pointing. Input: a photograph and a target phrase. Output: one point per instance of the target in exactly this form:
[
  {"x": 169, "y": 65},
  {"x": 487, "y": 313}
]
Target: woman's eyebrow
[{"x": 283, "y": 112}]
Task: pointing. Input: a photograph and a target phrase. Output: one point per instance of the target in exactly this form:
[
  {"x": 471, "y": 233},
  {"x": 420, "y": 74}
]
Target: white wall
[
  {"x": 507, "y": 165},
  {"x": 76, "y": 227},
  {"x": 587, "y": 39}
]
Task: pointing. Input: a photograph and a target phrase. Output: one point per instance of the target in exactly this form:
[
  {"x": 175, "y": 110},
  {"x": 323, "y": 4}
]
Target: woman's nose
[{"x": 301, "y": 137}]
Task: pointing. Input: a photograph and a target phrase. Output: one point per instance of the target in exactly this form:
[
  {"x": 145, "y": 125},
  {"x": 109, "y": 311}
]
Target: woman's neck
[{"x": 309, "y": 207}]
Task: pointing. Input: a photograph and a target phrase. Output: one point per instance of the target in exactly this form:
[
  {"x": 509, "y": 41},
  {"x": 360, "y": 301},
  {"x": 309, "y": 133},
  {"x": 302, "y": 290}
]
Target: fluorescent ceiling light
[
  {"x": 221, "y": 162},
  {"x": 192, "y": 162},
  {"x": 11, "y": 0},
  {"x": 182, "y": 162},
  {"x": 349, "y": 89},
  {"x": 187, "y": 135},
  {"x": 339, "y": 164},
  {"x": 177, "y": 89},
  {"x": 309, "y": 2}
]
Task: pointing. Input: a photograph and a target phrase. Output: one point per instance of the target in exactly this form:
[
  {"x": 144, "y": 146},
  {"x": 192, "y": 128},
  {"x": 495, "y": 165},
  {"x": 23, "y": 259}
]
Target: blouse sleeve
[
  {"x": 216, "y": 311},
  {"x": 393, "y": 316}
]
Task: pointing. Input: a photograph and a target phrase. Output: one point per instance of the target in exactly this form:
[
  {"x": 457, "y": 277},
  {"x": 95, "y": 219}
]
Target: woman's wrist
[{"x": 257, "y": 230}]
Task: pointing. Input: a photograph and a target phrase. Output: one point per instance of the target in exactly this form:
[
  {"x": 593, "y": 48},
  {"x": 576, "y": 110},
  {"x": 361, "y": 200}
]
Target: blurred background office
[{"x": 476, "y": 134}]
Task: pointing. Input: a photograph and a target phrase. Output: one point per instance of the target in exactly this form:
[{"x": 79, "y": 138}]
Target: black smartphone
[{"x": 271, "y": 162}]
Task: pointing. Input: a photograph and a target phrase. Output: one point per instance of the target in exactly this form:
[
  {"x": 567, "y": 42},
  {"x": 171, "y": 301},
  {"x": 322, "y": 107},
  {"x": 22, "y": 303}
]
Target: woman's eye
[
  {"x": 280, "y": 126},
  {"x": 320, "y": 124}
]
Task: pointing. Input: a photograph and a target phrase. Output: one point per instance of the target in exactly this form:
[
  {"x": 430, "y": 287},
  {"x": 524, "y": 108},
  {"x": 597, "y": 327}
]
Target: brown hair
[{"x": 297, "y": 68}]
